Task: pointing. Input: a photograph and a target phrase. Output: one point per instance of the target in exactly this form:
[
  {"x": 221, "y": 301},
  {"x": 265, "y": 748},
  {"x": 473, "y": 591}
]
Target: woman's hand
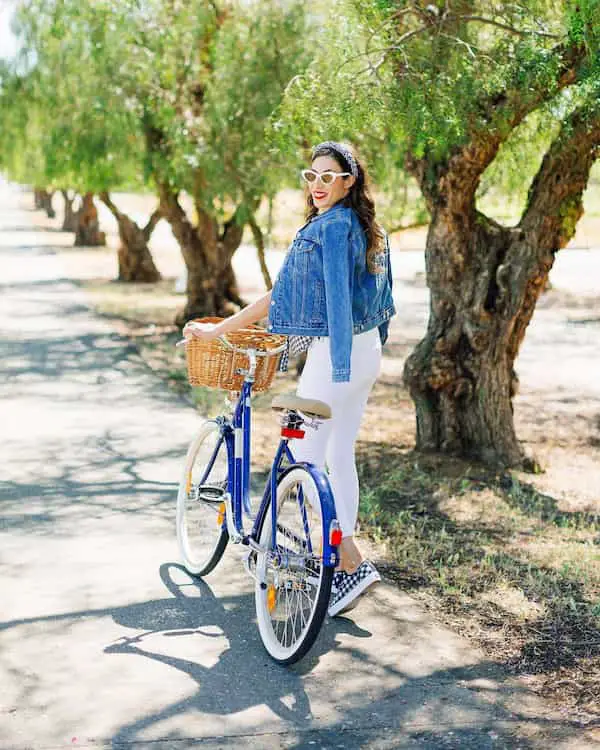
[{"x": 205, "y": 331}]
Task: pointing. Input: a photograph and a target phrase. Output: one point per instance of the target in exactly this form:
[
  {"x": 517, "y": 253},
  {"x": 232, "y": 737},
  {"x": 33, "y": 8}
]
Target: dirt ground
[
  {"x": 528, "y": 587},
  {"x": 557, "y": 410}
]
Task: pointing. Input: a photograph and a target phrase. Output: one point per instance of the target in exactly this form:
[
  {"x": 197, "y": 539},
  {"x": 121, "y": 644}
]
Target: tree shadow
[
  {"x": 48, "y": 286},
  {"x": 468, "y": 706},
  {"x": 458, "y": 561},
  {"x": 244, "y": 677},
  {"x": 31, "y": 229},
  {"x": 530, "y": 501},
  {"x": 99, "y": 479},
  {"x": 64, "y": 356}
]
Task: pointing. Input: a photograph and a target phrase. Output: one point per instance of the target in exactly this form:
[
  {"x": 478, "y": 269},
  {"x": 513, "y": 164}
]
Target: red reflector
[
  {"x": 335, "y": 538},
  {"x": 289, "y": 433}
]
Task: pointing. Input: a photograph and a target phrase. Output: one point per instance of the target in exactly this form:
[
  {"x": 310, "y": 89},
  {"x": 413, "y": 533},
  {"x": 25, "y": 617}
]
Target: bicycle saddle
[{"x": 309, "y": 406}]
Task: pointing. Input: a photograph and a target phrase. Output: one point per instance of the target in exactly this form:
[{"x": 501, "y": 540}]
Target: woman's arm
[
  {"x": 339, "y": 277},
  {"x": 250, "y": 314}
]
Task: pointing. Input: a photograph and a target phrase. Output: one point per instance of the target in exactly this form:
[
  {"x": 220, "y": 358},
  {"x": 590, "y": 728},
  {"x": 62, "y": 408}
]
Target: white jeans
[{"x": 333, "y": 442}]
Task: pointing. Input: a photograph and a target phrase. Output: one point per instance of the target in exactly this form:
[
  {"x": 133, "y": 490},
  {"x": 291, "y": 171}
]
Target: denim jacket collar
[{"x": 325, "y": 214}]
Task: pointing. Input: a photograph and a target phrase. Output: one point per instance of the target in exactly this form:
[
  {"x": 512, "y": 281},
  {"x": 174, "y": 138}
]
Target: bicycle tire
[
  {"x": 298, "y": 581},
  {"x": 202, "y": 534}
]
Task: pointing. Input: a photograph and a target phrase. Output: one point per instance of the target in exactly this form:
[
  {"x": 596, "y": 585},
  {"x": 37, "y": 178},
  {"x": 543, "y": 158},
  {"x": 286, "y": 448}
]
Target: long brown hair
[{"x": 358, "y": 198}]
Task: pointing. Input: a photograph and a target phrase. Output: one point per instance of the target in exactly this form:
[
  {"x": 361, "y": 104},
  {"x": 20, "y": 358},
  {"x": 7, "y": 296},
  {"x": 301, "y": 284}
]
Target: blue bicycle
[{"x": 294, "y": 539}]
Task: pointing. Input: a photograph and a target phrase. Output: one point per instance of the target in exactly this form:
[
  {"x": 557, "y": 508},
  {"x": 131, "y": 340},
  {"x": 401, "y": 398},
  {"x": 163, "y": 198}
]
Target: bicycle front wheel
[
  {"x": 201, "y": 529},
  {"x": 292, "y": 585}
]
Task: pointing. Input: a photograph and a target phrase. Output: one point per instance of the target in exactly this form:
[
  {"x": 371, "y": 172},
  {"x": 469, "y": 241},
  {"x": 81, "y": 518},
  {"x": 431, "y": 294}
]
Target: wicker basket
[{"x": 212, "y": 364}]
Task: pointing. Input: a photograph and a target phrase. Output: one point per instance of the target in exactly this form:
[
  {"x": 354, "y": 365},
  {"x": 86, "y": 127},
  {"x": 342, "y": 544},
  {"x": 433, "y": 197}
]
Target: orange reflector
[
  {"x": 188, "y": 484},
  {"x": 271, "y": 598},
  {"x": 221, "y": 514}
]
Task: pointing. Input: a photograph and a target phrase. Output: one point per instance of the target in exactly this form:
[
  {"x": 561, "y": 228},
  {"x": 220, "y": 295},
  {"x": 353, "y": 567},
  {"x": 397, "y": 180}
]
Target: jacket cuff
[{"x": 340, "y": 375}]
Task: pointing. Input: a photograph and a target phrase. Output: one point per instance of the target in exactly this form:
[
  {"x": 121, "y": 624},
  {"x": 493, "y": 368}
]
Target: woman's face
[{"x": 325, "y": 196}]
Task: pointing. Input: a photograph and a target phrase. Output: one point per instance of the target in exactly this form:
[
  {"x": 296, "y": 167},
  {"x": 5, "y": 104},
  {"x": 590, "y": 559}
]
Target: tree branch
[
  {"x": 152, "y": 222},
  {"x": 504, "y": 26},
  {"x": 208, "y": 227},
  {"x": 259, "y": 241},
  {"x": 440, "y": 21},
  {"x": 555, "y": 201},
  {"x": 513, "y": 101},
  {"x": 106, "y": 199},
  {"x": 182, "y": 227},
  {"x": 232, "y": 233},
  {"x": 468, "y": 162}
]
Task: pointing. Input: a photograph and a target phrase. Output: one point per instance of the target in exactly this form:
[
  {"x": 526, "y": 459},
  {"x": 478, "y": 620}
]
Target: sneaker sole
[
  {"x": 356, "y": 601},
  {"x": 345, "y": 604}
]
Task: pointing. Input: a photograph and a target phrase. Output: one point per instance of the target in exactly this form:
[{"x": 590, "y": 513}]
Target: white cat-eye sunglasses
[{"x": 327, "y": 178}]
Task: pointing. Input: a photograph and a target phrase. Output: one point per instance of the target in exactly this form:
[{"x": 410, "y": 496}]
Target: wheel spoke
[
  {"x": 290, "y": 627},
  {"x": 202, "y": 538}
]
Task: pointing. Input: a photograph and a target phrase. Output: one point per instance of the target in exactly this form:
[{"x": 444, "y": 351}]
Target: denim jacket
[{"x": 324, "y": 287}]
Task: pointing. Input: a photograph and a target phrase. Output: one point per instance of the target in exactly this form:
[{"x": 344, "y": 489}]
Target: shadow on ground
[
  {"x": 461, "y": 561},
  {"x": 243, "y": 676}
]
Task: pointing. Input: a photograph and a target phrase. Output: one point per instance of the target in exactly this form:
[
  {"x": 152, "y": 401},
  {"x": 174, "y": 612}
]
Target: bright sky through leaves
[{"x": 8, "y": 44}]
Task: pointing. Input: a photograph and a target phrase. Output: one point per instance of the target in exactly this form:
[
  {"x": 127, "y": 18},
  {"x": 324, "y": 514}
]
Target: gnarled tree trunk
[
  {"x": 38, "y": 200},
  {"x": 87, "y": 232},
  {"x": 485, "y": 280},
  {"x": 134, "y": 257},
  {"x": 211, "y": 284},
  {"x": 259, "y": 241},
  {"x": 461, "y": 374},
  {"x": 69, "y": 220},
  {"x": 43, "y": 200}
]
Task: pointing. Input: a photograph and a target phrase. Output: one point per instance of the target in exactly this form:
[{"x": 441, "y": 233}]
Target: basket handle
[{"x": 229, "y": 345}]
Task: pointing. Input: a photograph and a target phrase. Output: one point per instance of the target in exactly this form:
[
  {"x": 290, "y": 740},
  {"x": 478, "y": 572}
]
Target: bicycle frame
[{"x": 237, "y": 432}]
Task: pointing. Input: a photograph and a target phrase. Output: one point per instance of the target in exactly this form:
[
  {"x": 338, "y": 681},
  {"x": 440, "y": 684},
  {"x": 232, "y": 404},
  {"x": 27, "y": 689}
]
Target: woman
[{"x": 333, "y": 297}]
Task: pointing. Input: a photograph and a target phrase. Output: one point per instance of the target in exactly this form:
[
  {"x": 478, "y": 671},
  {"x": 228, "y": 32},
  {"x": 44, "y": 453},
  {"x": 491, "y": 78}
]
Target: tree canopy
[
  {"x": 428, "y": 77},
  {"x": 448, "y": 100},
  {"x": 471, "y": 93}
]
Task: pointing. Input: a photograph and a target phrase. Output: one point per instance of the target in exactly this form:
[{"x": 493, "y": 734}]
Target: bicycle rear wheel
[
  {"x": 201, "y": 529},
  {"x": 292, "y": 586}
]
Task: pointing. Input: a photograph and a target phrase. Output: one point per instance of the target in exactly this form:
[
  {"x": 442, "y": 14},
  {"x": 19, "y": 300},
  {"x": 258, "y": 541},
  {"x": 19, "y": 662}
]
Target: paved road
[{"x": 106, "y": 642}]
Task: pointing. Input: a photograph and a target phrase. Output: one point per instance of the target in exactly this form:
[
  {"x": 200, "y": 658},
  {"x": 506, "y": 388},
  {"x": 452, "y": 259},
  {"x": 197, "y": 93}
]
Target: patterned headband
[{"x": 340, "y": 149}]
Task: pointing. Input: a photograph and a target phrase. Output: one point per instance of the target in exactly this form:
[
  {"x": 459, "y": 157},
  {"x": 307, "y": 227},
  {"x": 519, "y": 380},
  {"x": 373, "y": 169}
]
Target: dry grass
[{"x": 495, "y": 559}]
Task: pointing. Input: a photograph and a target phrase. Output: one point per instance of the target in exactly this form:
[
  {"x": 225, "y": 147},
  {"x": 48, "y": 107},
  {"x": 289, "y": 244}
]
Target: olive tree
[
  {"x": 218, "y": 71},
  {"x": 459, "y": 84},
  {"x": 22, "y": 136},
  {"x": 89, "y": 136}
]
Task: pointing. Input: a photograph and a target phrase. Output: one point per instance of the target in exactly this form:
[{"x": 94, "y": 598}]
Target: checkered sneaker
[
  {"x": 349, "y": 586},
  {"x": 295, "y": 345},
  {"x": 338, "y": 580}
]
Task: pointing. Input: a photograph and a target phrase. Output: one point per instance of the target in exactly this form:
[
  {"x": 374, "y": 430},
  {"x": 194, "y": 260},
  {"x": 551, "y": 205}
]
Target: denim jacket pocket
[
  {"x": 302, "y": 245},
  {"x": 304, "y": 260}
]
